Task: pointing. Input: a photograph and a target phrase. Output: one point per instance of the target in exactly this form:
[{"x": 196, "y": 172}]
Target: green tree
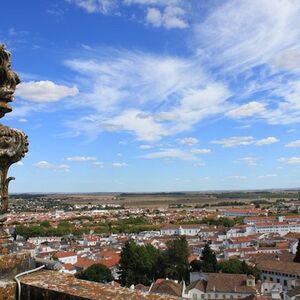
[
  {"x": 138, "y": 264},
  {"x": 235, "y": 266},
  {"x": 176, "y": 259},
  {"x": 97, "y": 273},
  {"x": 297, "y": 256},
  {"x": 45, "y": 224},
  {"x": 209, "y": 260},
  {"x": 196, "y": 265}
]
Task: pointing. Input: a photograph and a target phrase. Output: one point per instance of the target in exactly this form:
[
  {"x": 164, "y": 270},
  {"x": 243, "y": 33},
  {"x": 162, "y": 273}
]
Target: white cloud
[
  {"x": 98, "y": 164},
  {"x": 145, "y": 147},
  {"x": 247, "y": 110},
  {"x": 290, "y": 160},
  {"x": 244, "y": 141},
  {"x": 235, "y": 141},
  {"x": 153, "y": 2},
  {"x": 56, "y": 167},
  {"x": 19, "y": 163},
  {"x": 248, "y": 160},
  {"x": 200, "y": 151},
  {"x": 122, "y": 90},
  {"x": 236, "y": 177},
  {"x": 288, "y": 60},
  {"x": 96, "y": 6},
  {"x": 136, "y": 122},
  {"x": 268, "y": 176},
  {"x": 171, "y": 153},
  {"x": 44, "y": 91},
  {"x": 82, "y": 158},
  {"x": 190, "y": 141},
  {"x": 256, "y": 42},
  {"x": 267, "y": 141},
  {"x": 173, "y": 18},
  {"x": 170, "y": 18},
  {"x": 23, "y": 120},
  {"x": 154, "y": 17},
  {"x": 294, "y": 144},
  {"x": 119, "y": 164},
  {"x": 242, "y": 34}
]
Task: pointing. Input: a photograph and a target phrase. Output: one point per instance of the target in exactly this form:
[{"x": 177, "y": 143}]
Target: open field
[{"x": 182, "y": 198}]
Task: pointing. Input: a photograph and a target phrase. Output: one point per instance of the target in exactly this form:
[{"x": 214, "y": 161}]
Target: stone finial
[{"x": 8, "y": 81}]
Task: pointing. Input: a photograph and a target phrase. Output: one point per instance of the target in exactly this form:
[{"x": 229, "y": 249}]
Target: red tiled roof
[
  {"x": 65, "y": 254},
  {"x": 84, "y": 262},
  {"x": 68, "y": 267}
]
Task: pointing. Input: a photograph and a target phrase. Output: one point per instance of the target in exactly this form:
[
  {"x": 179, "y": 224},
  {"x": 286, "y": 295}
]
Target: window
[
  {"x": 194, "y": 296},
  {"x": 285, "y": 283},
  {"x": 278, "y": 280}
]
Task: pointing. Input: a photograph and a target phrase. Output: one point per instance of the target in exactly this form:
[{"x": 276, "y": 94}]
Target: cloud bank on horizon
[{"x": 219, "y": 87}]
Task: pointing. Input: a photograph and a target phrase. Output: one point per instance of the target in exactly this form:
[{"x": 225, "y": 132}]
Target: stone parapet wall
[
  {"x": 7, "y": 290},
  {"x": 51, "y": 285},
  {"x": 14, "y": 263}
]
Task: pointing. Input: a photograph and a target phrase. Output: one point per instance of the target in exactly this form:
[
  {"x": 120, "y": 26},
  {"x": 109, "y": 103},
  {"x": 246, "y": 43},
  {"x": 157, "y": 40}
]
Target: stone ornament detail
[
  {"x": 8, "y": 81},
  {"x": 13, "y": 147},
  {"x": 13, "y": 143}
]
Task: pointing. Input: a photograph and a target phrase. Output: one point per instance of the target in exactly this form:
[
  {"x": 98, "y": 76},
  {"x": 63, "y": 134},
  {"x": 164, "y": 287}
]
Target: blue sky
[{"x": 155, "y": 95}]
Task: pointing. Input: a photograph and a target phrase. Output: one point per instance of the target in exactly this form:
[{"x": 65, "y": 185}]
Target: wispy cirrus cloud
[
  {"x": 128, "y": 96},
  {"x": 171, "y": 153},
  {"x": 119, "y": 164},
  {"x": 293, "y": 144},
  {"x": 248, "y": 160},
  {"x": 235, "y": 141},
  {"x": 256, "y": 42},
  {"x": 290, "y": 160},
  {"x": 267, "y": 141},
  {"x": 43, "y": 164},
  {"x": 189, "y": 141},
  {"x": 81, "y": 158},
  {"x": 246, "y": 110},
  {"x": 200, "y": 151}
]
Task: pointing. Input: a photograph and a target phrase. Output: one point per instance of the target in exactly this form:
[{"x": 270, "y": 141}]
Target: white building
[
  {"x": 281, "y": 227},
  {"x": 190, "y": 230},
  {"x": 285, "y": 273},
  {"x": 67, "y": 257}
]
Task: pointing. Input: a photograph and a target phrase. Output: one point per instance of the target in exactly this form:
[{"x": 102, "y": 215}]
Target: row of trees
[
  {"x": 130, "y": 225},
  {"x": 144, "y": 264},
  {"x": 209, "y": 264}
]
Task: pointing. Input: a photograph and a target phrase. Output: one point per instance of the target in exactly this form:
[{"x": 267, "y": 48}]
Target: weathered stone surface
[
  {"x": 13, "y": 143},
  {"x": 8, "y": 81},
  {"x": 15, "y": 263},
  {"x": 7, "y": 290},
  {"x": 51, "y": 285},
  {"x": 13, "y": 147}
]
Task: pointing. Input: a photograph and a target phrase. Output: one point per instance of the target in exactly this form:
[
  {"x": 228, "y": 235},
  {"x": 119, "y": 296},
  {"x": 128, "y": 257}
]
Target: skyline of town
[{"x": 152, "y": 95}]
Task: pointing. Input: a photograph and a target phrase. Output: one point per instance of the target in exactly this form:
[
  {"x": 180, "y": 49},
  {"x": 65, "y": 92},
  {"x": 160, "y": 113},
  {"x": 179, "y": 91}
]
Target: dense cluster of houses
[{"x": 267, "y": 242}]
